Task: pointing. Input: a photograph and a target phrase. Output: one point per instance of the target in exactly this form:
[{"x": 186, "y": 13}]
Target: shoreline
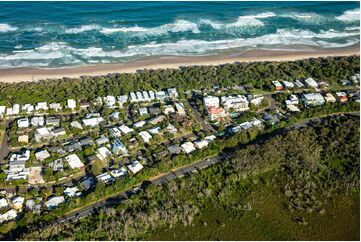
[{"x": 172, "y": 62}]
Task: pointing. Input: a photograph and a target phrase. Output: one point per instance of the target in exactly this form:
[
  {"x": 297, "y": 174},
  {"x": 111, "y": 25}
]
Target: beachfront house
[
  {"x": 238, "y": 103},
  {"x": 311, "y": 82},
  {"x": 71, "y": 104}
]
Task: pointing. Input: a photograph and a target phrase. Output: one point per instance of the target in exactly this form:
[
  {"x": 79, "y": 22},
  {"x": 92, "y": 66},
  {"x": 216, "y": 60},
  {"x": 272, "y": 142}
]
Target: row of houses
[
  {"x": 317, "y": 99},
  {"x": 109, "y": 101}
]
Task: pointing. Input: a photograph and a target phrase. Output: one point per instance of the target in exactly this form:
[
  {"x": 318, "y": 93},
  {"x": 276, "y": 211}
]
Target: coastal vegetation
[
  {"x": 302, "y": 184},
  {"x": 253, "y": 75}
]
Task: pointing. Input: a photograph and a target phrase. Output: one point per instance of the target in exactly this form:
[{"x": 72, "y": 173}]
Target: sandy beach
[{"x": 33, "y": 74}]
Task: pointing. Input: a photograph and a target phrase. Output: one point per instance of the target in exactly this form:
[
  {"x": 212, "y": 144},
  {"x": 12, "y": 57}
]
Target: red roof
[{"x": 215, "y": 110}]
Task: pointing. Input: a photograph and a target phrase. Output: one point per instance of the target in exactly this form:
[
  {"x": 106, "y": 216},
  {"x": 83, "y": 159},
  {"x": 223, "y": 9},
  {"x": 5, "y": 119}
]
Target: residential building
[
  {"x": 42, "y": 134},
  {"x": 161, "y": 95},
  {"x": 211, "y": 102},
  {"x": 135, "y": 167},
  {"x": 345, "y": 82},
  {"x": 42, "y": 155},
  {"x": 180, "y": 109},
  {"x": 17, "y": 202},
  {"x": 72, "y": 192},
  {"x": 110, "y": 101},
  {"x": 125, "y": 129},
  {"x": 28, "y": 108},
  {"x": 311, "y": 82},
  {"x": 2, "y": 111},
  {"x": 52, "y": 121},
  {"x": 9, "y": 215},
  {"x": 121, "y": 172},
  {"x": 23, "y": 123},
  {"x": 133, "y": 97},
  {"x": 37, "y": 121},
  {"x": 54, "y": 202},
  {"x": 174, "y": 149},
  {"x": 21, "y": 156},
  {"x": 171, "y": 129},
  {"x": 255, "y": 99},
  {"x": 71, "y": 103},
  {"x": 103, "y": 153},
  {"x": 92, "y": 119},
  {"x": 74, "y": 162},
  {"x": 168, "y": 109},
  {"x": 288, "y": 84},
  {"x": 154, "y": 130},
  {"x": 23, "y": 139},
  {"x": 238, "y": 103},
  {"x": 106, "y": 178},
  {"x": 293, "y": 108},
  {"x": 201, "y": 144},
  {"x": 41, "y": 106},
  {"x": 157, "y": 120},
  {"x": 329, "y": 98},
  {"x": 216, "y": 113},
  {"x": 313, "y": 99},
  {"x": 122, "y": 99},
  {"x": 146, "y": 96},
  {"x": 342, "y": 96},
  {"x": 115, "y": 132},
  {"x": 55, "y": 106},
  {"x": 154, "y": 111},
  {"x": 56, "y": 165},
  {"x": 143, "y": 111},
  {"x": 151, "y": 95},
  {"x": 299, "y": 84},
  {"x": 86, "y": 142},
  {"x": 3, "y": 203},
  {"x": 76, "y": 124},
  {"x": 188, "y": 147},
  {"x": 58, "y": 132},
  {"x": 139, "y": 124},
  {"x": 102, "y": 140},
  {"x": 292, "y": 100},
  {"x": 172, "y": 93},
  {"x": 139, "y": 96},
  {"x": 145, "y": 136},
  {"x": 278, "y": 86},
  {"x": 118, "y": 146}
]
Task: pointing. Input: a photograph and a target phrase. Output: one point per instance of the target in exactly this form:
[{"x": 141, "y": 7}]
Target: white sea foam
[
  {"x": 312, "y": 18},
  {"x": 7, "y": 28},
  {"x": 63, "y": 53},
  {"x": 350, "y": 15},
  {"x": 82, "y": 29}
]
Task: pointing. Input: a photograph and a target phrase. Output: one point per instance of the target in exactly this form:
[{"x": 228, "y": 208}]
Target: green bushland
[
  {"x": 254, "y": 75},
  {"x": 299, "y": 185}
]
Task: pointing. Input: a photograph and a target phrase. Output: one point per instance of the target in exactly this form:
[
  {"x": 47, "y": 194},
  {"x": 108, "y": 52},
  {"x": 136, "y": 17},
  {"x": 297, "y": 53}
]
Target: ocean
[{"x": 66, "y": 34}]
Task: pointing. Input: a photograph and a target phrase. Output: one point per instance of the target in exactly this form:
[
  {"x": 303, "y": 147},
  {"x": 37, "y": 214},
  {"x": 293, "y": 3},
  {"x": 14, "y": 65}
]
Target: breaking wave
[
  {"x": 350, "y": 15},
  {"x": 7, "y": 28},
  {"x": 61, "y": 53}
]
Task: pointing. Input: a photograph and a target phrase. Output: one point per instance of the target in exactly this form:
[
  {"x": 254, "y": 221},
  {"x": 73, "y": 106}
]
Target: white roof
[
  {"x": 293, "y": 108},
  {"x": 188, "y": 147},
  {"x": 125, "y": 129},
  {"x": 103, "y": 153},
  {"x": 145, "y": 136},
  {"x": 201, "y": 144},
  {"x": 54, "y": 201},
  {"x": 311, "y": 82},
  {"x": 3, "y": 203},
  {"x": 276, "y": 83},
  {"x": 43, "y": 131},
  {"x": 71, "y": 103},
  {"x": 2, "y": 110},
  {"x": 154, "y": 130},
  {"x": 135, "y": 166},
  {"x": 42, "y": 155},
  {"x": 119, "y": 172},
  {"x": 139, "y": 124},
  {"x": 74, "y": 161},
  {"x": 71, "y": 191},
  {"x": 11, "y": 214}
]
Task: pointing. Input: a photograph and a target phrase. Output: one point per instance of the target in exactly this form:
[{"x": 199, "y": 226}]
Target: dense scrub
[
  {"x": 253, "y": 75},
  {"x": 302, "y": 171}
]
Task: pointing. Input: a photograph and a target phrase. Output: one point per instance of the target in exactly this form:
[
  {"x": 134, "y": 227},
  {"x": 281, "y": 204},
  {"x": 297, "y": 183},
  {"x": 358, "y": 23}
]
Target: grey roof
[
  {"x": 86, "y": 141},
  {"x": 174, "y": 149}
]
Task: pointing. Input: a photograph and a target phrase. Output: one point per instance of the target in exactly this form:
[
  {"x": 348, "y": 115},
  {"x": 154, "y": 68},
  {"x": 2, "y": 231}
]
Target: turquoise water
[{"x": 60, "y": 34}]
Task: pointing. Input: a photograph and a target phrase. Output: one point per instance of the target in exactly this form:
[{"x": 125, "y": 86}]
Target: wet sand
[{"x": 34, "y": 74}]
